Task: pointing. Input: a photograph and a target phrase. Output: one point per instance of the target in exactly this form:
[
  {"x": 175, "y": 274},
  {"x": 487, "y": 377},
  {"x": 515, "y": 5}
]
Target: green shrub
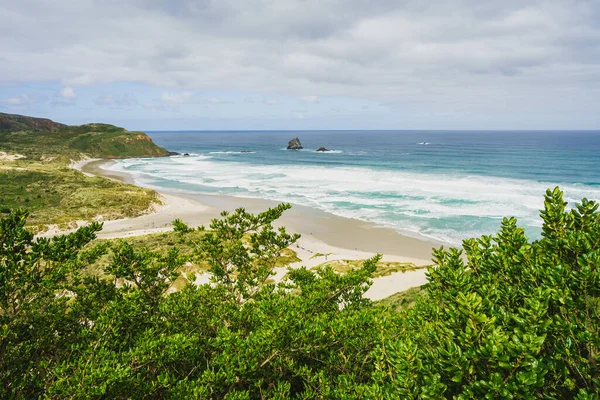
[{"x": 508, "y": 319}]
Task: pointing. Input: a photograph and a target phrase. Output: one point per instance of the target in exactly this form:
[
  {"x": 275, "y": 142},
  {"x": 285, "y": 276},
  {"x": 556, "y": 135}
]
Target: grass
[
  {"x": 157, "y": 242},
  {"x": 316, "y": 255},
  {"x": 56, "y": 194},
  {"x": 384, "y": 268},
  {"x": 73, "y": 142},
  {"x": 43, "y": 183},
  {"x": 404, "y": 300},
  {"x": 288, "y": 256}
]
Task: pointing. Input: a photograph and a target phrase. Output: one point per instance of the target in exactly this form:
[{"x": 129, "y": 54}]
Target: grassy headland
[
  {"x": 49, "y": 140},
  {"x": 34, "y": 170}
]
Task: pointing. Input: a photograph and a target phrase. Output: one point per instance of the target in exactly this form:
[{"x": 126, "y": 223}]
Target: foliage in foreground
[{"x": 516, "y": 320}]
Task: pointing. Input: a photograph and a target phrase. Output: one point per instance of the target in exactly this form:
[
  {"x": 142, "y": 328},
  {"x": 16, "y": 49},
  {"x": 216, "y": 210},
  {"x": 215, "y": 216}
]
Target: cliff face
[
  {"x": 14, "y": 122},
  {"x": 39, "y": 138}
]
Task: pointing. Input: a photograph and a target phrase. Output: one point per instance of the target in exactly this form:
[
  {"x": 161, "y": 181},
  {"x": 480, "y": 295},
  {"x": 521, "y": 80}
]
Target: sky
[{"x": 303, "y": 64}]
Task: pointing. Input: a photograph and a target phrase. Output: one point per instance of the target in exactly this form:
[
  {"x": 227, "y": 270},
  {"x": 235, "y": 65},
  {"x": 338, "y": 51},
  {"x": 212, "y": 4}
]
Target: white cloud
[
  {"x": 212, "y": 100},
  {"x": 67, "y": 92},
  {"x": 310, "y": 99},
  {"x": 154, "y": 106},
  {"x": 173, "y": 99},
  {"x": 483, "y": 55},
  {"x": 271, "y": 101},
  {"x": 20, "y": 100},
  {"x": 116, "y": 101}
]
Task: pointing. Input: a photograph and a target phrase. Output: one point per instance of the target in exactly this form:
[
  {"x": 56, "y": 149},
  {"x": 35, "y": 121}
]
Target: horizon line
[{"x": 368, "y": 130}]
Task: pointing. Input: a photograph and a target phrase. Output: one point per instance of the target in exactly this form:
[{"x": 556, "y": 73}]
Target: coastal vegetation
[
  {"x": 186, "y": 243},
  {"x": 50, "y": 140},
  {"x": 57, "y": 194},
  {"x": 35, "y": 173},
  {"x": 502, "y": 318},
  {"x": 382, "y": 268}
]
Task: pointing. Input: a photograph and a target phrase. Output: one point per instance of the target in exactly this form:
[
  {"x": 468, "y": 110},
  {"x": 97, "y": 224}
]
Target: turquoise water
[{"x": 443, "y": 185}]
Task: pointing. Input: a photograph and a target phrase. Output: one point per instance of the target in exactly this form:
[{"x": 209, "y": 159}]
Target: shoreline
[{"x": 338, "y": 237}]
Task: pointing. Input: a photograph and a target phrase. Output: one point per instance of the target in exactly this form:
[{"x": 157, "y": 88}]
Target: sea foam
[{"x": 447, "y": 206}]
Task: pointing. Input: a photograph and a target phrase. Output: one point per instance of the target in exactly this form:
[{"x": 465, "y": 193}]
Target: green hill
[
  {"x": 14, "y": 122},
  {"x": 38, "y": 138},
  {"x": 34, "y": 157}
]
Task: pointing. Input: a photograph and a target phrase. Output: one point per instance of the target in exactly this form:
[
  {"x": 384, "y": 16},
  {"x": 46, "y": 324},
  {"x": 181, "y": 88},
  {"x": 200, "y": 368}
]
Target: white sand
[
  {"x": 78, "y": 165},
  {"x": 321, "y": 232}
]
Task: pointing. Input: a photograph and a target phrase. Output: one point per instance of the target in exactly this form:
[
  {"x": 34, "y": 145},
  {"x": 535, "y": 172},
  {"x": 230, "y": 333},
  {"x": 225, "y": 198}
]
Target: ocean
[{"x": 446, "y": 186}]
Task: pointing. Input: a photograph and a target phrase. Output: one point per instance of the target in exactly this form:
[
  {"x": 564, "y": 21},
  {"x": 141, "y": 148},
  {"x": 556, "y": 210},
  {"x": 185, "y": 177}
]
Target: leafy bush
[
  {"x": 512, "y": 319},
  {"x": 516, "y": 320}
]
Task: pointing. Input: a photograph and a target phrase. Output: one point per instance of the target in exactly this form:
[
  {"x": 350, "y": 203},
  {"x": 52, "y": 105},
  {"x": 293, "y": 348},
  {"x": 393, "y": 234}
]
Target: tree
[
  {"x": 242, "y": 249},
  {"x": 36, "y": 277},
  {"x": 506, "y": 318},
  {"x": 515, "y": 320}
]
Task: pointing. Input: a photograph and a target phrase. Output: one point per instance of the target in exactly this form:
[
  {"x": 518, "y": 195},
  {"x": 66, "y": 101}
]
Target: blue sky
[{"x": 303, "y": 64}]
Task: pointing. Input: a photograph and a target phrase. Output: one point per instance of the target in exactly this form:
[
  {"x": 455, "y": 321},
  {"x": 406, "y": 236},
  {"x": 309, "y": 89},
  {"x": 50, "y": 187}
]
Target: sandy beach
[{"x": 340, "y": 238}]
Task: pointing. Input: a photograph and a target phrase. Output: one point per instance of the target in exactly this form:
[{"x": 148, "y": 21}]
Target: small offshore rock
[
  {"x": 295, "y": 144},
  {"x": 322, "y": 149},
  {"x": 186, "y": 154}
]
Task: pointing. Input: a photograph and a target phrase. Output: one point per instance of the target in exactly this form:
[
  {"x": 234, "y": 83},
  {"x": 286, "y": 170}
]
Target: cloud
[
  {"x": 482, "y": 55},
  {"x": 154, "y": 106},
  {"x": 271, "y": 101},
  {"x": 310, "y": 99},
  {"x": 212, "y": 100},
  {"x": 67, "y": 92},
  {"x": 20, "y": 100},
  {"x": 116, "y": 101},
  {"x": 174, "y": 99}
]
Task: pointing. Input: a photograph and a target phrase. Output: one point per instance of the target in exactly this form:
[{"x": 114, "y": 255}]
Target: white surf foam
[
  {"x": 432, "y": 205},
  {"x": 232, "y": 152}
]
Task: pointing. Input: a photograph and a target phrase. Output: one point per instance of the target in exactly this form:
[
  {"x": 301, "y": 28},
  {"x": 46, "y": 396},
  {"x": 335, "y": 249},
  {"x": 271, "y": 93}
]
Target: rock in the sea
[
  {"x": 186, "y": 154},
  {"x": 173, "y": 153},
  {"x": 295, "y": 144},
  {"x": 322, "y": 149}
]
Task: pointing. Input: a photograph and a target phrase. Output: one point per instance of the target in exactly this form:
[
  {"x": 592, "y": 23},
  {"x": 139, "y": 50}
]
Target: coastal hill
[
  {"x": 34, "y": 157},
  {"x": 39, "y": 138},
  {"x": 14, "y": 122}
]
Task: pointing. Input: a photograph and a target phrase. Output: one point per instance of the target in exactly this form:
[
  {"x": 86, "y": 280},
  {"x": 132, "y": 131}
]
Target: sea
[{"x": 445, "y": 186}]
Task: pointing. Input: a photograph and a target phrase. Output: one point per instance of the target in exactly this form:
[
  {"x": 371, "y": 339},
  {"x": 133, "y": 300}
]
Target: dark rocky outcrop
[
  {"x": 295, "y": 144},
  {"x": 173, "y": 153},
  {"x": 186, "y": 154},
  {"x": 15, "y": 122},
  {"x": 322, "y": 149}
]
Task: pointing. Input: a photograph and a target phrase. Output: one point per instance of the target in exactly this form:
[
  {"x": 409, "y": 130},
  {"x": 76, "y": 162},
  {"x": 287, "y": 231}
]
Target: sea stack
[
  {"x": 322, "y": 149},
  {"x": 295, "y": 144}
]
